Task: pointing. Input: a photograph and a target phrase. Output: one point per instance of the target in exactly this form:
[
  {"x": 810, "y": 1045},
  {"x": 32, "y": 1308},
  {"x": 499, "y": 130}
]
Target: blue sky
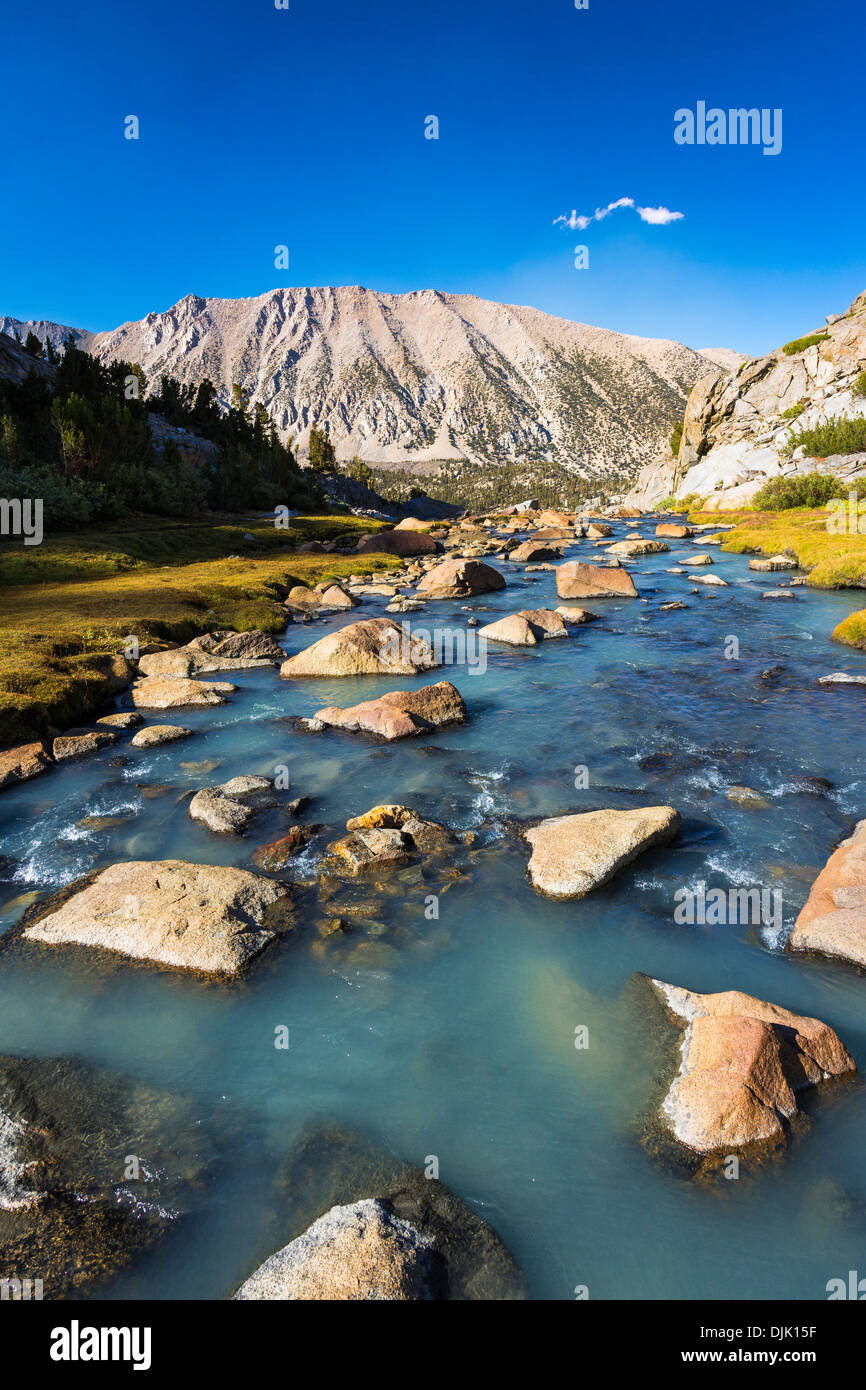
[{"x": 305, "y": 127}]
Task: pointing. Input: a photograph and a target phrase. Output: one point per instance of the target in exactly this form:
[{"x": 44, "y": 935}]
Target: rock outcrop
[{"x": 737, "y": 425}]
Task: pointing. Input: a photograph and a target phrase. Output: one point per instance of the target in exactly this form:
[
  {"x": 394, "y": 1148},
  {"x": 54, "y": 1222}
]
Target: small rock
[{"x": 156, "y": 734}]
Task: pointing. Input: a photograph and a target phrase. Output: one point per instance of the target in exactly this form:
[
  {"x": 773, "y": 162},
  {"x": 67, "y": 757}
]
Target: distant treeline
[
  {"x": 483, "y": 488},
  {"x": 82, "y": 442}
]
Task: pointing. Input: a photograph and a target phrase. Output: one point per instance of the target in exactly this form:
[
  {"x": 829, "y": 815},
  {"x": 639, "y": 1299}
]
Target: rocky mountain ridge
[{"x": 418, "y": 378}]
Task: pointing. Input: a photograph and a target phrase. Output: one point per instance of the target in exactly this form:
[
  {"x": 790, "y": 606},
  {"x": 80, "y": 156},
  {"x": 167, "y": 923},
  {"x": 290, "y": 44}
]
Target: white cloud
[
  {"x": 578, "y": 222},
  {"x": 612, "y": 207},
  {"x": 658, "y": 217}
]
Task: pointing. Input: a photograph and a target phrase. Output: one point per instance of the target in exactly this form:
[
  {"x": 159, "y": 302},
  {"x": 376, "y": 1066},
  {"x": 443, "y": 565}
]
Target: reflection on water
[{"x": 455, "y": 1036}]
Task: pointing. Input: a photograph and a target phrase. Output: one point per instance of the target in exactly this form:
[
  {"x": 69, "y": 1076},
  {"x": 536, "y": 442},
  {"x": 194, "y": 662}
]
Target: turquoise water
[{"x": 456, "y": 1037}]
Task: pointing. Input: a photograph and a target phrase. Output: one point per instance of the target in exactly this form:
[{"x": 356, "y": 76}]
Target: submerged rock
[
  {"x": 22, "y": 763},
  {"x": 833, "y": 921},
  {"x": 572, "y": 855},
  {"x": 460, "y": 579},
  {"x": 70, "y": 1214},
  {"x": 742, "y": 1065},
  {"x": 276, "y": 855},
  {"x": 747, "y": 797},
  {"x": 203, "y": 917},
  {"x": 368, "y": 1226},
  {"x": 575, "y": 579},
  {"x": 400, "y": 713},
  {"x": 378, "y": 646}
]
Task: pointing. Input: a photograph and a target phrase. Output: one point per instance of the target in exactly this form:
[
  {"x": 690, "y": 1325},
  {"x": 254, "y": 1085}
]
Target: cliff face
[
  {"x": 736, "y": 426},
  {"x": 408, "y": 379}
]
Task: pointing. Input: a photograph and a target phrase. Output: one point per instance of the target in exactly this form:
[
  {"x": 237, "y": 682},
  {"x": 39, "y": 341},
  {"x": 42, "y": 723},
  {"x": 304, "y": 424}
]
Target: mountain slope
[{"x": 408, "y": 379}]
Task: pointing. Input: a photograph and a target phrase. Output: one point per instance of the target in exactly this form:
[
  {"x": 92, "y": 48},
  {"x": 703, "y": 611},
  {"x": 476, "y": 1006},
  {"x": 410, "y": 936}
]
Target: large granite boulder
[
  {"x": 572, "y": 855},
  {"x": 202, "y": 917},
  {"x": 355, "y": 1253},
  {"x": 575, "y": 579},
  {"x": 460, "y": 579},
  {"x": 674, "y": 530},
  {"x": 400, "y": 542},
  {"x": 833, "y": 921},
  {"x": 534, "y": 550},
  {"x": 377, "y": 646},
  {"x": 400, "y": 713},
  {"x": 742, "y": 1064}
]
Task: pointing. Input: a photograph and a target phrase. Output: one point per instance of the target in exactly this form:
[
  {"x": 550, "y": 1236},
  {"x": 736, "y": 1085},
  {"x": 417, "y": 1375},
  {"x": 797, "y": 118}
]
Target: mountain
[
  {"x": 411, "y": 380},
  {"x": 741, "y": 430}
]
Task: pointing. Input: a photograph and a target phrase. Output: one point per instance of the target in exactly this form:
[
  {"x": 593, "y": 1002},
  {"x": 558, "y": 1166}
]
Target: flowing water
[{"x": 456, "y": 1038}]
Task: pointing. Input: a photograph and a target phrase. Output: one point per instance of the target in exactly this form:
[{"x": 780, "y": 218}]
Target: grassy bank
[
  {"x": 69, "y": 604},
  {"x": 832, "y": 561}
]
